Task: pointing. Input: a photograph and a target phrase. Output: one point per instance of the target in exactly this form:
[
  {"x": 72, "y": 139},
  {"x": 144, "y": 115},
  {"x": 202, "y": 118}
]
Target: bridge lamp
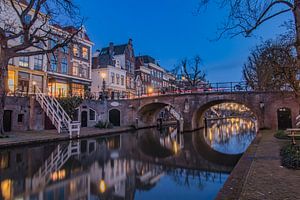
[
  {"x": 150, "y": 90},
  {"x": 102, "y": 186}
]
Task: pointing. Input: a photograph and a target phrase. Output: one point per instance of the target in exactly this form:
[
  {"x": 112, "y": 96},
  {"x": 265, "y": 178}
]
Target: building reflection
[
  {"x": 100, "y": 168},
  {"x": 235, "y": 132}
]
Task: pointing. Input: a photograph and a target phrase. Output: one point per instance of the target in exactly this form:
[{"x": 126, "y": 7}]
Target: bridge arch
[
  {"x": 198, "y": 115},
  {"x": 149, "y": 112}
]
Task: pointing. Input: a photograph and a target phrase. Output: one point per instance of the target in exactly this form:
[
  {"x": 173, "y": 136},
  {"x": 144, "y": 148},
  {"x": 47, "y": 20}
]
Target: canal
[{"x": 147, "y": 164}]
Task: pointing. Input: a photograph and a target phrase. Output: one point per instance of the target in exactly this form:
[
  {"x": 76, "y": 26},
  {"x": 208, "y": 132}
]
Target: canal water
[{"x": 147, "y": 164}]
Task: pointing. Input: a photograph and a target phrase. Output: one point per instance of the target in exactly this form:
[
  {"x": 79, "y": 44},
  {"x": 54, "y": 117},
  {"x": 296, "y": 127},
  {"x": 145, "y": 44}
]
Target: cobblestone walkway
[
  {"x": 36, "y": 137},
  {"x": 259, "y": 174}
]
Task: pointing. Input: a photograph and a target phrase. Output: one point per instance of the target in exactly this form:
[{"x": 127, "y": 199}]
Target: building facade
[
  {"x": 113, "y": 61},
  {"x": 69, "y": 70}
]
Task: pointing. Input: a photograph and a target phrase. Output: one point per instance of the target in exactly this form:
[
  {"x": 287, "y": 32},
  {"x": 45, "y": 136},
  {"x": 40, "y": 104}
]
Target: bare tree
[
  {"x": 272, "y": 67},
  {"x": 245, "y": 16},
  {"x": 191, "y": 71},
  {"x": 25, "y": 31}
]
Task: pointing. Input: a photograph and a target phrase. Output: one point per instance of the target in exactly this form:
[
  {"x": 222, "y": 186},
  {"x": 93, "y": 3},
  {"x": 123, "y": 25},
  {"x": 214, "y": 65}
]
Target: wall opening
[{"x": 284, "y": 118}]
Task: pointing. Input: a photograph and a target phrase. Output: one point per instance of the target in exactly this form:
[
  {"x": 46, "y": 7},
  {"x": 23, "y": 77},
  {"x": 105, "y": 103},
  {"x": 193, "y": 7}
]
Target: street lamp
[
  {"x": 34, "y": 85},
  {"x": 150, "y": 90},
  {"x": 103, "y": 75}
]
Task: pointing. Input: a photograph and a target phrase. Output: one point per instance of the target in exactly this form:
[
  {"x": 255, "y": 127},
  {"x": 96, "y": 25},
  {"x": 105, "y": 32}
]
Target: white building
[{"x": 111, "y": 80}]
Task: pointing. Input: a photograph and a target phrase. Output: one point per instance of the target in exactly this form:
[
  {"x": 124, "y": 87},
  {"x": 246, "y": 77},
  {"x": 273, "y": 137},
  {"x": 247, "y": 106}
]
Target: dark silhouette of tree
[
  {"x": 24, "y": 31},
  {"x": 271, "y": 67}
]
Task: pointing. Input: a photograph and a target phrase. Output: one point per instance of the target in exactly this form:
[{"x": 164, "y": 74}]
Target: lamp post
[
  {"x": 103, "y": 75},
  {"x": 34, "y": 85}
]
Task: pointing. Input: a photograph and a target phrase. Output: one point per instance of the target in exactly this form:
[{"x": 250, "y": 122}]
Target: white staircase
[
  {"x": 298, "y": 121},
  {"x": 176, "y": 115},
  {"x": 54, "y": 162},
  {"x": 57, "y": 115}
]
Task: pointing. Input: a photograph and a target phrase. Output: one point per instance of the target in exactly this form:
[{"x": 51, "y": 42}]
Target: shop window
[
  {"x": 38, "y": 62},
  {"x": 23, "y": 82},
  {"x": 77, "y": 89},
  {"x": 20, "y": 118},
  {"x": 38, "y": 81},
  {"x": 11, "y": 81},
  {"x": 24, "y": 61},
  {"x": 92, "y": 115},
  {"x": 85, "y": 53}
]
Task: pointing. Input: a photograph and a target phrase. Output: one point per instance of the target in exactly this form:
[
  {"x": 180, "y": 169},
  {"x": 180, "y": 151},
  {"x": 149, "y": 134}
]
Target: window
[
  {"x": 118, "y": 79},
  {"x": 75, "y": 68},
  {"x": 92, "y": 115},
  {"x": 11, "y": 81},
  {"x": 53, "y": 63},
  {"x": 85, "y": 53},
  {"x": 4, "y": 160},
  {"x": 11, "y": 61},
  {"x": 65, "y": 49},
  {"x": 122, "y": 80},
  {"x": 24, "y": 61},
  {"x": 64, "y": 65},
  {"x": 20, "y": 118},
  {"x": 38, "y": 82},
  {"x": 77, "y": 89},
  {"x": 76, "y": 50},
  {"x": 38, "y": 62},
  {"x": 23, "y": 82},
  {"x": 112, "y": 77}
]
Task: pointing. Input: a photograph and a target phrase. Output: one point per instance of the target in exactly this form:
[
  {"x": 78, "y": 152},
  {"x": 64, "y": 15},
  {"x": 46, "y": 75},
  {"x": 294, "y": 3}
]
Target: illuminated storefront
[
  {"x": 23, "y": 81},
  {"x": 58, "y": 89}
]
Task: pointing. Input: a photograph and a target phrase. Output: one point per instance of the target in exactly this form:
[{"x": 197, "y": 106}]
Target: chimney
[
  {"x": 130, "y": 42},
  {"x": 111, "y": 48}
]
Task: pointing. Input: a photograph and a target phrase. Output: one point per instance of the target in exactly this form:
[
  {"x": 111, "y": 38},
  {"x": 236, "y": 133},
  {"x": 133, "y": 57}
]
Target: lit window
[
  {"x": 85, "y": 53},
  {"x": 75, "y": 69},
  {"x": 11, "y": 81},
  {"x": 76, "y": 50}
]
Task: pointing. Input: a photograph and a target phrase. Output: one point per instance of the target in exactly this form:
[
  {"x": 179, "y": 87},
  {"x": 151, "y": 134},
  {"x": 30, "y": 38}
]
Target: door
[
  {"x": 284, "y": 118},
  {"x": 7, "y": 121},
  {"x": 48, "y": 123},
  {"x": 84, "y": 119},
  {"x": 114, "y": 117}
]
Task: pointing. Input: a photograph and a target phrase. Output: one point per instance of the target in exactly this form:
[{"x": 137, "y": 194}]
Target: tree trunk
[
  {"x": 3, "y": 85},
  {"x": 296, "y": 14}
]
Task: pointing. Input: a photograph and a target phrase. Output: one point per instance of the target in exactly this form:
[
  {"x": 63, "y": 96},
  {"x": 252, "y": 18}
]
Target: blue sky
[{"x": 169, "y": 30}]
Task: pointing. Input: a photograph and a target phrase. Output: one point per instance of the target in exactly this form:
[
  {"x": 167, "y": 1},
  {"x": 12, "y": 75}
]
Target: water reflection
[
  {"x": 113, "y": 167},
  {"x": 230, "y": 135}
]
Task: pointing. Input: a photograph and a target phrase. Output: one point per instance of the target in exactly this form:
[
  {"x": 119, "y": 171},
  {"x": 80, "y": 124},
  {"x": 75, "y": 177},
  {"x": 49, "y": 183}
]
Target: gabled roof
[
  {"x": 147, "y": 59},
  {"x": 117, "y": 49}
]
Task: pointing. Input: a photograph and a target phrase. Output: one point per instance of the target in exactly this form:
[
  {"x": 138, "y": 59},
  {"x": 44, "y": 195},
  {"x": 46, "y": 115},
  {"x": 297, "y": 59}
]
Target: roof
[
  {"x": 117, "y": 49},
  {"x": 71, "y": 30},
  {"x": 147, "y": 59}
]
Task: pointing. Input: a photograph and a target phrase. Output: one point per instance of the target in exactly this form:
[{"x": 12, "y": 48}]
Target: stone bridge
[{"x": 264, "y": 105}]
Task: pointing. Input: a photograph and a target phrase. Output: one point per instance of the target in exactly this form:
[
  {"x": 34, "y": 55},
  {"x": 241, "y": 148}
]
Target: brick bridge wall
[{"x": 193, "y": 106}]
